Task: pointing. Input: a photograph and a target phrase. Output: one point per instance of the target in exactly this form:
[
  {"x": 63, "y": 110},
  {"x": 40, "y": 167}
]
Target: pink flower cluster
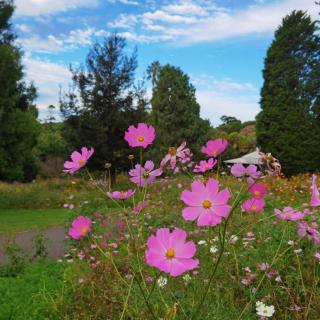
[
  {"x": 205, "y": 203},
  {"x": 213, "y": 148},
  {"x": 170, "y": 253},
  {"x": 140, "y": 136},
  {"x": 80, "y": 227},
  {"x": 174, "y": 156},
  {"x": 256, "y": 203},
  {"x": 238, "y": 170},
  {"x": 204, "y": 165},
  {"x": 79, "y": 160},
  {"x": 143, "y": 176},
  {"x": 309, "y": 231},
  {"x": 289, "y": 214}
]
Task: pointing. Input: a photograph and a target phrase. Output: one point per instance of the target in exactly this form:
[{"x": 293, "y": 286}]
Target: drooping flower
[
  {"x": 238, "y": 170},
  {"x": 140, "y": 206},
  {"x": 80, "y": 227},
  {"x": 181, "y": 153},
  {"x": 315, "y": 196},
  {"x": 204, "y": 165},
  {"x": 264, "y": 310},
  {"x": 206, "y": 203},
  {"x": 170, "y": 253},
  {"x": 253, "y": 205},
  {"x": 289, "y": 214},
  {"x": 143, "y": 176},
  {"x": 142, "y": 136},
  {"x": 79, "y": 160},
  {"x": 121, "y": 195},
  {"x": 311, "y": 232},
  {"x": 214, "y": 147},
  {"x": 257, "y": 190}
]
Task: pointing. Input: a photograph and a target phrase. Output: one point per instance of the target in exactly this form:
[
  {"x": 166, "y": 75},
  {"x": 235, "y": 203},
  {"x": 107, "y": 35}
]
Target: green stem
[
  {"x": 264, "y": 276},
  {"x": 145, "y": 300},
  {"x": 236, "y": 202}
]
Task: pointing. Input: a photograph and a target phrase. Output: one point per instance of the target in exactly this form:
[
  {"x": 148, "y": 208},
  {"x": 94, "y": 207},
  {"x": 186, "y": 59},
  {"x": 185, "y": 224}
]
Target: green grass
[
  {"x": 17, "y": 220},
  {"x": 33, "y": 294}
]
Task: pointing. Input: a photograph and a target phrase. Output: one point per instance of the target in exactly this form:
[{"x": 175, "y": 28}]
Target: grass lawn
[{"x": 17, "y": 220}]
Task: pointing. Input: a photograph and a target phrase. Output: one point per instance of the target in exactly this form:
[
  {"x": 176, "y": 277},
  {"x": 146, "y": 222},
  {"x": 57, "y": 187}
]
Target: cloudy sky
[{"x": 221, "y": 44}]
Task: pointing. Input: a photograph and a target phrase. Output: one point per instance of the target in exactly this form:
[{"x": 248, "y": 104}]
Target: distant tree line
[{"x": 105, "y": 98}]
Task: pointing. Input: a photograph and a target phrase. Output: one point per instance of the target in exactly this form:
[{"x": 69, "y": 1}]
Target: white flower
[
  {"x": 202, "y": 242},
  {"x": 265, "y": 311},
  {"x": 213, "y": 249},
  {"x": 233, "y": 239},
  {"x": 162, "y": 282},
  {"x": 215, "y": 239},
  {"x": 186, "y": 278},
  {"x": 259, "y": 304}
]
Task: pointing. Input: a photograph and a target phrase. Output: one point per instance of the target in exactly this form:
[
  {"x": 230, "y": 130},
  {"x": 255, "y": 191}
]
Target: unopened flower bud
[
  {"x": 107, "y": 165},
  {"x": 131, "y": 157}
]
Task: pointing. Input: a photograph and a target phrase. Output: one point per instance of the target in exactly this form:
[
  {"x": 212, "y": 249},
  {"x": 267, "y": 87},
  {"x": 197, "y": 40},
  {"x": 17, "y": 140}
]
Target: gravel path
[{"x": 55, "y": 243}]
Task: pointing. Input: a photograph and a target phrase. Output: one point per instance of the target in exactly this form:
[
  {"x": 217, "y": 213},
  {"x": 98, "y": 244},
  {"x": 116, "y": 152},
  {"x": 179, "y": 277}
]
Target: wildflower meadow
[{"x": 185, "y": 241}]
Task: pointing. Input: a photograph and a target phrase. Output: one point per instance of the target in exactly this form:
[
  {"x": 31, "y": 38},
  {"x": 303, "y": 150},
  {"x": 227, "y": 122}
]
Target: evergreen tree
[
  {"x": 109, "y": 103},
  {"x": 176, "y": 112},
  {"x": 289, "y": 124},
  {"x": 18, "y": 125}
]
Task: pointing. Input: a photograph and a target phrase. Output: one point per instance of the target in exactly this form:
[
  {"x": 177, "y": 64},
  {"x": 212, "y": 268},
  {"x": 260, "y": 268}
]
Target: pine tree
[
  {"x": 18, "y": 125},
  {"x": 289, "y": 124},
  {"x": 109, "y": 103},
  {"x": 176, "y": 112}
]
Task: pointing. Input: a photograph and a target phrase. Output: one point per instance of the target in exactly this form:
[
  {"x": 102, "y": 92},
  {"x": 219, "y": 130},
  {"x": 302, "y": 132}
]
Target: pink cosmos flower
[
  {"x": 142, "y": 136},
  {"x": 121, "y": 195},
  {"x": 170, "y": 253},
  {"x": 253, "y": 205},
  {"x": 238, "y": 170},
  {"x": 206, "y": 203},
  {"x": 204, "y": 165},
  {"x": 79, "y": 160},
  {"x": 257, "y": 190},
  {"x": 289, "y": 214},
  {"x": 140, "y": 206},
  {"x": 214, "y": 147},
  {"x": 80, "y": 227},
  {"x": 143, "y": 176},
  {"x": 174, "y": 154},
  {"x": 303, "y": 229},
  {"x": 315, "y": 197}
]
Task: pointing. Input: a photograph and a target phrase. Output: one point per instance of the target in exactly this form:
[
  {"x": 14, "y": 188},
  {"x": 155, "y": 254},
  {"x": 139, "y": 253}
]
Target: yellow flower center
[
  {"x": 140, "y": 139},
  {"x": 288, "y": 215},
  {"x": 81, "y": 162},
  {"x": 172, "y": 151},
  {"x": 257, "y": 193},
  {"x": 253, "y": 208},
  {"x": 206, "y": 204},
  {"x": 84, "y": 230},
  {"x": 214, "y": 153},
  {"x": 146, "y": 175},
  {"x": 170, "y": 253}
]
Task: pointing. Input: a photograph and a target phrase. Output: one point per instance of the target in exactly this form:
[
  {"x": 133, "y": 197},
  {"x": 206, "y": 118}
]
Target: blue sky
[{"x": 221, "y": 44}]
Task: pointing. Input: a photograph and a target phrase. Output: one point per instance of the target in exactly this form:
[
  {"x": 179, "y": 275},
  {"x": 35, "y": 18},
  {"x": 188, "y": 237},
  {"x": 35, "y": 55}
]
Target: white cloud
[
  {"x": 80, "y": 37},
  {"x": 128, "y": 2},
  {"x": 216, "y": 104},
  {"x": 125, "y": 21},
  {"x": 144, "y": 38},
  {"x": 198, "y": 21},
  {"x": 47, "y": 76},
  {"x": 44, "y": 7},
  {"x": 52, "y": 44},
  {"x": 185, "y": 8}
]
